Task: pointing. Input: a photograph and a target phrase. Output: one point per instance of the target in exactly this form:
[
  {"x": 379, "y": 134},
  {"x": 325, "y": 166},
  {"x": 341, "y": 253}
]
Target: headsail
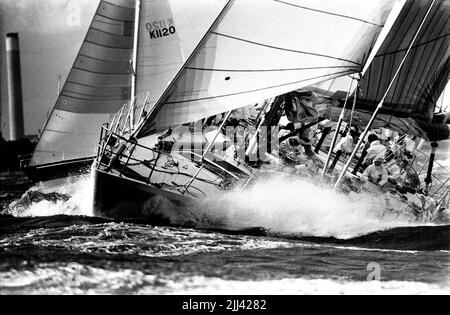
[
  {"x": 411, "y": 103},
  {"x": 238, "y": 63},
  {"x": 98, "y": 85},
  {"x": 427, "y": 70}
]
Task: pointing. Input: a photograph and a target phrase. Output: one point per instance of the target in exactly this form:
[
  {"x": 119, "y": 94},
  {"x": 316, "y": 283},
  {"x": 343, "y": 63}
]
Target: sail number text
[{"x": 161, "y": 28}]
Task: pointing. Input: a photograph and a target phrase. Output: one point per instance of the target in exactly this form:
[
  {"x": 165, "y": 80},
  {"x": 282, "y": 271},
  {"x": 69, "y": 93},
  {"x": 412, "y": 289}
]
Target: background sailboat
[{"x": 99, "y": 83}]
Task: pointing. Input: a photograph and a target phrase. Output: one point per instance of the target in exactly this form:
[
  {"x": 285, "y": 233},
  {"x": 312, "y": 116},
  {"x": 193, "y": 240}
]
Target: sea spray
[
  {"x": 291, "y": 205},
  {"x": 71, "y": 196},
  {"x": 280, "y": 204}
]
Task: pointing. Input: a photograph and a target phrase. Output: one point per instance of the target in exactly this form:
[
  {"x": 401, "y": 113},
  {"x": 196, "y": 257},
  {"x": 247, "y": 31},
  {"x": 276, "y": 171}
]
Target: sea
[{"x": 279, "y": 237}]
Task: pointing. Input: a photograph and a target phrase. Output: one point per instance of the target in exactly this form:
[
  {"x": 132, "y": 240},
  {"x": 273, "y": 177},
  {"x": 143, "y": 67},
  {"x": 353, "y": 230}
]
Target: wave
[
  {"x": 79, "y": 279},
  {"x": 91, "y": 239},
  {"x": 418, "y": 238}
]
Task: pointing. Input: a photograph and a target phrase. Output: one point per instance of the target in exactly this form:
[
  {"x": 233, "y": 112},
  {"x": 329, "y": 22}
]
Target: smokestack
[{"x": 16, "y": 125}]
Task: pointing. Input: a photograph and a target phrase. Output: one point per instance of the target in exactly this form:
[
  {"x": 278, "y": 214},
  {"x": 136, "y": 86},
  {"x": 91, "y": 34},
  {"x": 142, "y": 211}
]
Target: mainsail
[
  {"x": 410, "y": 105},
  {"x": 239, "y": 63},
  {"x": 98, "y": 84},
  {"x": 159, "y": 54}
]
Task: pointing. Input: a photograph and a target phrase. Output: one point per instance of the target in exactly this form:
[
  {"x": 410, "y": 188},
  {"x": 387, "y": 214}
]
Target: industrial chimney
[{"x": 16, "y": 125}]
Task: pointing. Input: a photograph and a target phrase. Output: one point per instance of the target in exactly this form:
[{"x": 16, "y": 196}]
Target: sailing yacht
[
  {"x": 98, "y": 84},
  {"x": 253, "y": 50}
]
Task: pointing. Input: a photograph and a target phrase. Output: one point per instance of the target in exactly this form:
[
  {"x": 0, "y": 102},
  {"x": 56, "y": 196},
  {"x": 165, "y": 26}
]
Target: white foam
[
  {"x": 291, "y": 205},
  {"x": 80, "y": 203}
]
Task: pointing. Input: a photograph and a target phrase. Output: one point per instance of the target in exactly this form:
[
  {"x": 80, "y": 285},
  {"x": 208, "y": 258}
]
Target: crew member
[
  {"x": 376, "y": 149},
  {"x": 377, "y": 174}
]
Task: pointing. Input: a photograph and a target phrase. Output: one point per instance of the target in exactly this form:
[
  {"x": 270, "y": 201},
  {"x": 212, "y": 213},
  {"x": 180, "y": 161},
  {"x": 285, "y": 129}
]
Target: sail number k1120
[{"x": 161, "y": 28}]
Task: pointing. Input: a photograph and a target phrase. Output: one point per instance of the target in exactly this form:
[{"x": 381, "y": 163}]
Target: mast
[{"x": 135, "y": 49}]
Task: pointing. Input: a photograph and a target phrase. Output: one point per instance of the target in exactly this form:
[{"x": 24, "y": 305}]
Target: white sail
[
  {"x": 160, "y": 53},
  {"x": 98, "y": 84},
  {"x": 169, "y": 30},
  {"x": 258, "y": 49}
]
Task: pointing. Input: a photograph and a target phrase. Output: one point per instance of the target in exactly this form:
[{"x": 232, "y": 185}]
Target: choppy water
[{"x": 50, "y": 244}]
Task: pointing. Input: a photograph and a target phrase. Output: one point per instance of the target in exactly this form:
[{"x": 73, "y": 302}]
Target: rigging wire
[
  {"x": 380, "y": 105},
  {"x": 333, "y": 143}
]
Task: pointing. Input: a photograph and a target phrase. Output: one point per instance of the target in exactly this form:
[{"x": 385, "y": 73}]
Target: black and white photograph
[{"x": 221, "y": 153}]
